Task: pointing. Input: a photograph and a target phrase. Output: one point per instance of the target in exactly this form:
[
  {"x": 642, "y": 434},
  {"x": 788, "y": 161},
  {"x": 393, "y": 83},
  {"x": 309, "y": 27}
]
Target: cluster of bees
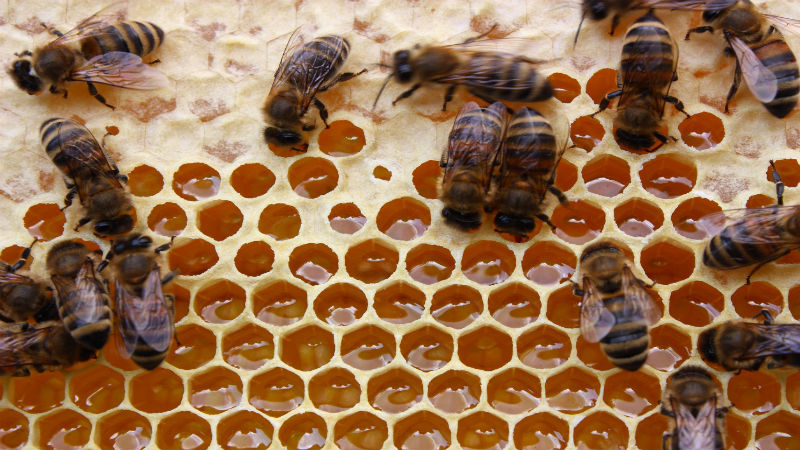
[{"x": 498, "y": 161}]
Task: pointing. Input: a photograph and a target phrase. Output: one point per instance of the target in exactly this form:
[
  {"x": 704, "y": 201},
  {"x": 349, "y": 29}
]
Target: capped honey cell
[
  {"x": 196, "y": 181},
  {"x": 514, "y": 305},
  {"x": 403, "y": 219},
  {"x": 394, "y": 391},
  {"x": 429, "y": 264},
  {"x": 276, "y": 392}
]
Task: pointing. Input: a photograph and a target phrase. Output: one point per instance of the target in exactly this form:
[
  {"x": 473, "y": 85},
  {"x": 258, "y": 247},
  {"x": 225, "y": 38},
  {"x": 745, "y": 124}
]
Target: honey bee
[
  {"x": 599, "y": 10},
  {"x": 101, "y": 49},
  {"x": 646, "y": 73},
  {"x": 528, "y": 162},
  {"x": 44, "y": 346},
  {"x": 691, "y": 399},
  {"x": 472, "y": 148},
  {"x": 305, "y": 69},
  {"x": 617, "y": 309},
  {"x": 488, "y": 74},
  {"x": 145, "y": 315},
  {"x": 91, "y": 173},
  {"x": 21, "y": 297},
  {"x": 745, "y": 345},
  {"x": 82, "y": 300}
]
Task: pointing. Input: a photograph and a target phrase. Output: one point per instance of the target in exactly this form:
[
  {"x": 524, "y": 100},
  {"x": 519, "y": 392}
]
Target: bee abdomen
[
  {"x": 87, "y": 320},
  {"x": 626, "y": 345},
  {"x": 512, "y": 79},
  {"x": 776, "y": 55},
  {"x": 725, "y": 252},
  {"x": 139, "y": 38},
  {"x": 322, "y": 53},
  {"x": 648, "y": 52},
  {"x": 529, "y": 137},
  {"x": 59, "y": 133},
  {"x": 472, "y": 125},
  {"x": 146, "y": 357}
]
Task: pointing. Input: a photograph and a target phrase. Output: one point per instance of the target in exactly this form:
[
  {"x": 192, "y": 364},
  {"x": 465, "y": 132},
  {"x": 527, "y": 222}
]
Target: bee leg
[
  {"x": 55, "y": 90},
  {"x": 52, "y": 30},
  {"x": 70, "y": 195},
  {"x": 606, "y": 100},
  {"x": 761, "y": 264},
  {"x": 677, "y": 103},
  {"x": 341, "y": 78},
  {"x": 667, "y": 412},
  {"x": 664, "y": 439},
  {"x": 576, "y": 289},
  {"x": 778, "y": 183},
  {"x": 705, "y": 29},
  {"x": 737, "y": 79},
  {"x": 448, "y": 95},
  {"x": 82, "y": 222},
  {"x": 407, "y": 93},
  {"x": 93, "y": 92},
  {"x": 169, "y": 277},
  {"x": 559, "y": 195},
  {"x": 323, "y": 112},
  {"x": 614, "y": 23},
  {"x": 767, "y": 316},
  {"x": 23, "y": 258},
  {"x": 545, "y": 219}
]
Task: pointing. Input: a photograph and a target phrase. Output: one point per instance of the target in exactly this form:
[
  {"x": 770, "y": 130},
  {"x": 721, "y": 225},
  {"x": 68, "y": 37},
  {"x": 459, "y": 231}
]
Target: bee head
[
  {"x": 634, "y": 140},
  {"x": 112, "y": 227},
  {"x": 402, "y": 66},
  {"x": 517, "y": 226},
  {"x": 130, "y": 242},
  {"x": 25, "y": 77},
  {"x": 597, "y": 9},
  {"x": 285, "y": 138},
  {"x": 464, "y": 220},
  {"x": 705, "y": 344}
]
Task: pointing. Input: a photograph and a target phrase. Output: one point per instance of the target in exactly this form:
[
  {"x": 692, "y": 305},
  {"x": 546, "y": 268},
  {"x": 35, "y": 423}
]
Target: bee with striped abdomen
[
  {"x": 529, "y": 157},
  {"x": 471, "y": 151},
  {"x": 22, "y": 297},
  {"x": 747, "y": 345},
  {"x": 145, "y": 316},
  {"x": 646, "y": 73},
  {"x": 82, "y": 300},
  {"x": 44, "y": 346},
  {"x": 691, "y": 399},
  {"x": 90, "y": 173},
  {"x": 306, "y": 68},
  {"x": 101, "y": 49},
  {"x": 617, "y": 309}
]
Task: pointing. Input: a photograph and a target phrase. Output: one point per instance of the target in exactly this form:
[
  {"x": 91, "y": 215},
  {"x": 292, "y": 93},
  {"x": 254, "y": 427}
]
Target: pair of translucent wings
[
  {"x": 86, "y": 155},
  {"x": 775, "y": 340},
  {"x": 755, "y": 226},
  {"x": 147, "y": 318},
  {"x": 88, "y": 290},
  {"x": 695, "y": 432},
  {"x": 21, "y": 344},
  {"x": 476, "y": 148}
]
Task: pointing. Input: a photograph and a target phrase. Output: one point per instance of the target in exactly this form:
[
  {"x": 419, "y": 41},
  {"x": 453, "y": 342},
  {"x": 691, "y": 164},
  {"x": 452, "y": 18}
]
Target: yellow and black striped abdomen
[
  {"x": 86, "y": 317},
  {"x": 500, "y": 76},
  {"x": 139, "y": 38},
  {"x": 627, "y": 343},
  {"x": 776, "y": 55},
  {"x": 648, "y": 57},
  {"x": 480, "y": 126},
  {"x": 744, "y": 243},
  {"x": 69, "y": 145},
  {"x": 529, "y": 145},
  {"x": 324, "y": 55}
]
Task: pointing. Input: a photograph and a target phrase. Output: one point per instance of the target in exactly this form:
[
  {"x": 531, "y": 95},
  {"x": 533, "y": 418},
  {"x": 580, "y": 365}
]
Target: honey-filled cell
[
  {"x": 426, "y": 179},
  {"x": 156, "y": 391},
  {"x": 244, "y": 430},
  {"x": 219, "y": 220},
  {"x": 754, "y": 392},
  {"x": 36, "y": 393},
  {"x": 793, "y": 390},
  {"x": 541, "y": 431},
  {"x": 565, "y": 88},
  {"x": 196, "y": 181},
  {"x": 429, "y": 264},
  {"x": 487, "y": 262},
  {"x": 183, "y": 430},
  {"x": 360, "y": 431},
  {"x": 485, "y": 348},
  {"x": 279, "y": 303},
  {"x": 340, "y": 304},
  {"x": 313, "y": 263},
  {"x": 564, "y": 307},
  {"x": 759, "y": 201},
  {"x": 606, "y": 175},
  {"x": 454, "y": 391},
  {"x": 304, "y": 431},
  {"x": 688, "y": 215},
  {"x": 97, "y": 389},
  {"x": 334, "y": 390},
  {"x": 399, "y": 303},
  {"x": 252, "y": 180},
  {"x": 220, "y": 301},
  {"x": 371, "y": 261},
  {"x": 566, "y": 175},
  {"x": 578, "y": 222},
  {"x": 369, "y": 347},
  {"x": 307, "y": 348},
  {"x": 667, "y": 262},
  {"x": 650, "y": 431},
  {"x": 115, "y": 355},
  {"x": 123, "y": 430},
  {"x": 737, "y": 430},
  {"x": 192, "y": 257},
  {"x": 403, "y": 219},
  {"x": 312, "y": 177},
  {"x": 482, "y": 431},
  {"x": 543, "y": 347},
  {"x": 394, "y": 391},
  {"x": 254, "y": 258},
  {"x": 422, "y": 430},
  {"x": 214, "y": 391},
  {"x": 586, "y": 132},
  {"x": 696, "y": 303},
  {"x": 382, "y": 173},
  {"x": 638, "y": 217},
  {"x": 145, "y": 181},
  {"x": 276, "y": 392},
  {"x": 751, "y": 299},
  {"x": 45, "y": 221},
  {"x": 514, "y": 305},
  {"x": 669, "y": 348},
  {"x": 514, "y": 391},
  {"x": 601, "y": 83},
  {"x": 601, "y": 431},
  {"x": 427, "y": 348},
  {"x": 702, "y": 131},
  {"x": 63, "y": 429},
  {"x": 14, "y": 429},
  {"x": 456, "y": 306},
  {"x": 572, "y": 390},
  {"x": 280, "y": 221},
  {"x": 789, "y": 171},
  {"x": 248, "y": 348},
  {"x": 341, "y": 138},
  {"x": 167, "y": 219},
  {"x": 346, "y": 218},
  {"x": 196, "y": 346},
  {"x": 11, "y": 254},
  {"x": 668, "y": 175},
  {"x": 778, "y": 432},
  {"x": 632, "y": 394},
  {"x": 548, "y": 263}
]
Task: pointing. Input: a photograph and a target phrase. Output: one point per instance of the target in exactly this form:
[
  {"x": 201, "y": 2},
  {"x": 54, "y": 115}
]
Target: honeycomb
[{"x": 322, "y": 301}]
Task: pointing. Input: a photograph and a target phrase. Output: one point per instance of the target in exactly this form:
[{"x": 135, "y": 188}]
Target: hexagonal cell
[
  {"x": 394, "y": 391},
  {"x": 123, "y": 429},
  {"x": 754, "y": 392},
  {"x": 426, "y": 179},
  {"x": 456, "y": 306},
  {"x": 669, "y": 348},
  {"x": 167, "y": 219},
  {"x": 341, "y": 138},
  {"x": 362, "y": 430},
  {"x": 275, "y": 392},
  {"x": 667, "y": 262},
  {"x": 244, "y": 430},
  {"x": 36, "y": 393},
  {"x": 482, "y": 431},
  {"x": 422, "y": 430},
  {"x": 254, "y": 258},
  {"x": 427, "y": 348},
  {"x": 789, "y": 171},
  {"x": 738, "y": 431},
  {"x": 586, "y": 132},
  {"x": 606, "y": 175},
  {"x": 97, "y": 389},
  {"x": 340, "y": 304},
  {"x": 702, "y": 131},
  {"x": 565, "y": 88},
  {"x": 541, "y": 431},
  {"x": 334, "y": 390},
  {"x": 182, "y": 296},
  {"x": 145, "y": 181},
  {"x": 429, "y": 264},
  {"x": 248, "y": 348},
  {"x": 759, "y": 201},
  {"x": 514, "y": 305},
  {"x": 368, "y": 348},
  {"x": 13, "y": 253},
  {"x": 668, "y": 175},
  {"x": 192, "y": 257},
  {"x": 183, "y": 430},
  {"x": 566, "y": 175},
  {"x": 543, "y": 347},
  {"x": 572, "y": 390},
  {"x": 44, "y": 221},
  {"x": 651, "y": 429},
  {"x": 280, "y": 221},
  {"x": 638, "y": 218},
  {"x": 688, "y": 214},
  {"x": 252, "y": 180},
  {"x": 404, "y": 219},
  {"x": 312, "y": 177},
  {"x": 195, "y": 181},
  {"x": 601, "y": 83},
  {"x": 382, "y": 173},
  {"x": 214, "y": 391},
  {"x": 514, "y": 391},
  {"x": 696, "y": 303},
  {"x": 632, "y": 394},
  {"x": 548, "y": 263},
  {"x": 487, "y": 262},
  {"x": 307, "y": 348},
  {"x": 304, "y": 431},
  {"x": 751, "y": 299},
  {"x": 578, "y": 222},
  {"x": 62, "y": 429},
  {"x": 280, "y": 303},
  {"x": 219, "y": 220},
  {"x": 793, "y": 390},
  {"x": 313, "y": 263},
  {"x": 601, "y": 430},
  {"x": 156, "y": 391},
  {"x": 778, "y": 431},
  {"x": 197, "y": 346},
  {"x": 371, "y": 261},
  {"x": 563, "y": 307},
  {"x": 592, "y": 356},
  {"x": 346, "y": 218},
  {"x": 399, "y": 303},
  {"x": 454, "y": 391},
  {"x": 14, "y": 429},
  {"x": 485, "y": 348},
  {"x": 220, "y": 301}
]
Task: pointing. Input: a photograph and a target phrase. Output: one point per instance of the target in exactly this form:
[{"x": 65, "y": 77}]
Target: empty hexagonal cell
[
  {"x": 650, "y": 431},
  {"x": 341, "y": 138},
  {"x": 572, "y": 390},
  {"x": 638, "y": 218},
  {"x": 632, "y": 393},
  {"x": 399, "y": 303},
  {"x": 368, "y": 348},
  {"x": 541, "y": 431},
  {"x": 751, "y": 299},
  {"x": 592, "y": 355},
  {"x": 44, "y": 221},
  {"x": 313, "y": 263},
  {"x": 422, "y": 430},
  {"x": 220, "y": 301},
  {"x": 276, "y": 392},
  {"x": 429, "y": 264},
  {"x": 346, "y": 218},
  {"x": 586, "y": 132},
  {"x": 156, "y": 391},
  {"x": 307, "y": 348},
  {"x": 454, "y": 391},
  {"x": 195, "y": 181},
  {"x": 97, "y": 389},
  {"x": 563, "y": 307},
  {"x": 183, "y": 430},
  {"x": 702, "y": 131},
  {"x": 254, "y": 258},
  {"x": 667, "y": 262},
  {"x": 427, "y": 348},
  {"x": 371, "y": 261},
  {"x": 578, "y": 222},
  {"x": 252, "y": 180},
  {"x": 601, "y": 83},
  {"x": 403, "y": 219},
  {"x": 311, "y": 177},
  {"x": 216, "y": 390},
  {"x": 279, "y": 303},
  {"x": 514, "y": 391},
  {"x": 482, "y": 431},
  {"x": 456, "y": 306},
  {"x": 601, "y": 430},
  {"x": 668, "y": 175},
  {"x": 565, "y": 88},
  {"x": 754, "y": 392},
  {"x": 485, "y": 348},
  {"x": 669, "y": 348},
  {"x": 123, "y": 429},
  {"x": 192, "y": 257},
  {"x": 304, "y": 431},
  {"x": 14, "y": 429},
  {"x": 543, "y": 347},
  {"x": 394, "y": 391},
  {"x": 688, "y": 214},
  {"x": 514, "y": 305},
  {"x": 340, "y": 304},
  {"x": 548, "y": 263},
  {"x": 334, "y": 390},
  {"x": 244, "y": 430},
  {"x": 167, "y": 219},
  {"x": 606, "y": 175},
  {"x": 426, "y": 179},
  {"x": 487, "y": 262},
  {"x": 280, "y": 221},
  {"x": 696, "y": 303},
  {"x": 145, "y": 181},
  {"x": 62, "y": 429},
  {"x": 361, "y": 430},
  {"x": 219, "y": 220},
  {"x": 778, "y": 431},
  {"x": 197, "y": 346},
  {"x": 248, "y": 348},
  {"x": 37, "y": 393}
]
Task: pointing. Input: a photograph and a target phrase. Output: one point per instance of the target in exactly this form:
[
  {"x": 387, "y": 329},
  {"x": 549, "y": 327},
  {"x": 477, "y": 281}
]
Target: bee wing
[
  {"x": 781, "y": 339},
  {"x": 92, "y": 25},
  {"x": 15, "y": 345},
  {"x": 126, "y": 303},
  {"x": 752, "y": 225},
  {"x": 9, "y": 277},
  {"x": 283, "y": 73},
  {"x": 475, "y": 146},
  {"x": 157, "y": 316},
  {"x": 696, "y": 431},
  {"x": 596, "y": 319},
  {"x": 524, "y": 49},
  {"x": 761, "y": 81},
  {"x": 120, "y": 69},
  {"x": 91, "y": 292},
  {"x": 638, "y": 300},
  {"x": 784, "y": 23},
  {"x": 690, "y": 5}
]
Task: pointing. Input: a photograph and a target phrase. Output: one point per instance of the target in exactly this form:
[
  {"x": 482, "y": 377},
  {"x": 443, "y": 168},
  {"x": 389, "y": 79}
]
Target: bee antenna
[
  {"x": 577, "y": 33},
  {"x": 388, "y": 78}
]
